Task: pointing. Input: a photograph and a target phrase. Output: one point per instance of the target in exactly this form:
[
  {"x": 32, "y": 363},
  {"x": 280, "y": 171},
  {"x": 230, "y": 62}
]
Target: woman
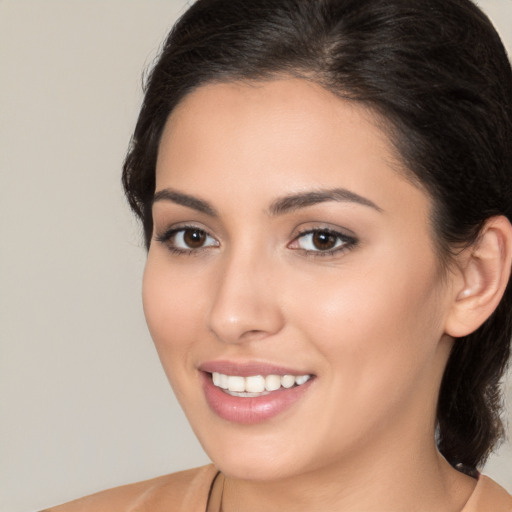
[{"x": 325, "y": 189}]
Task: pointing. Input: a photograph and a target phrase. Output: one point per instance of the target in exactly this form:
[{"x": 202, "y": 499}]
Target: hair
[{"x": 437, "y": 73}]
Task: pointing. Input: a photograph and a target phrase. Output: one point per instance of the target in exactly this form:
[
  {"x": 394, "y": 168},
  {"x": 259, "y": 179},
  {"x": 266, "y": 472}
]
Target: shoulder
[
  {"x": 488, "y": 495},
  {"x": 186, "y": 490}
]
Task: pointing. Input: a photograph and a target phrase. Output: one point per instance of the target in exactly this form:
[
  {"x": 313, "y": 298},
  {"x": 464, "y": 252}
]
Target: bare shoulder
[
  {"x": 185, "y": 490},
  {"x": 488, "y": 495}
]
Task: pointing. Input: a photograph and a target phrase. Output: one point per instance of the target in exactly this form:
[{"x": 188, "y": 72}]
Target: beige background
[{"x": 84, "y": 404}]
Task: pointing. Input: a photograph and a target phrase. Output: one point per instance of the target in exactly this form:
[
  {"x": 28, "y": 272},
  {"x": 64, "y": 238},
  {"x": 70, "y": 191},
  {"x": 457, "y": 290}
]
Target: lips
[{"x": 252, "y": 392}]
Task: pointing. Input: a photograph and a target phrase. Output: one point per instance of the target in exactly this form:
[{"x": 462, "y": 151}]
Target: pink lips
[{"x": 249, "y": 410}]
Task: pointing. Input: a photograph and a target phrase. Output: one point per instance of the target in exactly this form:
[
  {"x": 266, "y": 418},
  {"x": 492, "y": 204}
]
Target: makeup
[
  {"x": 252, "y": 393},
  {"x": 317, "y": 261}
]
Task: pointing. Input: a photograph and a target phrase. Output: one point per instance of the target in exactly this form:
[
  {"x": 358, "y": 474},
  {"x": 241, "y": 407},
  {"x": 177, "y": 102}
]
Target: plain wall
[{"x": 84, "y": 404}]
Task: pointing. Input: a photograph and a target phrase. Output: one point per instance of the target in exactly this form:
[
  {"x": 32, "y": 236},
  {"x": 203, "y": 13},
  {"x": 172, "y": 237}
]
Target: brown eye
[
  {"x": 323, "y": 240},
  {"x": 186, "y": 240},
  {"x": 194, "y": 238}
]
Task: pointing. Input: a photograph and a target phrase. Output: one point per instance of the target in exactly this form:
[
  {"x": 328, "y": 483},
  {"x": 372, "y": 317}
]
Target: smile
[
  {"x": 252, "y": 392},
  {"x": 256, "y": 385}
]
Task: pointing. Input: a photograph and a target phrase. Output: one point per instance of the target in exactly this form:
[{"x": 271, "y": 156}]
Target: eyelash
[
  {"x": 167, "y": 236},
  {"x": 347, "y": 242}
]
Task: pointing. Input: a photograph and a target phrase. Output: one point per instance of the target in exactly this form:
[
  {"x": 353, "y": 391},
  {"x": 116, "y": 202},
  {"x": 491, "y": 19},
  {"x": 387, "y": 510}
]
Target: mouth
[
  {"x": 252, "y": 393},
  {"x": 256, "y": 385}
]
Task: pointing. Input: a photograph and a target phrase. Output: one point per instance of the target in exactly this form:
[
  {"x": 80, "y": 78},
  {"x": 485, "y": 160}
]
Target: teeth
[
  {"x": 223, "y": 381},
  {"x": 236, "y": 383},
  {"x": 272, "y": 382},
  {"x": 301, "y": 379},
  {"x": 256, "y": 385},
  {"x": 287, "y": 381}
]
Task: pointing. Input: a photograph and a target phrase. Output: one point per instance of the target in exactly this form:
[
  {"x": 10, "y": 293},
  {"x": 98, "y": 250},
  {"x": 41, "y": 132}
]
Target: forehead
[
  {"x": 284, "y": 136},
  {"x": 299, "y": 106}
]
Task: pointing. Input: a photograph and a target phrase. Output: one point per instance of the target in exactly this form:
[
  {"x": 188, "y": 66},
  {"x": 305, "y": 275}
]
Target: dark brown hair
[{"x": 437, "y": 72}]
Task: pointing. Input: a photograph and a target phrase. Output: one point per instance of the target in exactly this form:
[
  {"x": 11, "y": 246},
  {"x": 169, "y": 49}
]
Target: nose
[{"x": 245, "y": 304}]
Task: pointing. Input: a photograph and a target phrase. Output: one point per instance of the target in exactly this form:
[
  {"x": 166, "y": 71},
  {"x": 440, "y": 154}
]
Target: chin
[
  {"x": 255, "y": 470},
  {"x": 256, "y": 457}
]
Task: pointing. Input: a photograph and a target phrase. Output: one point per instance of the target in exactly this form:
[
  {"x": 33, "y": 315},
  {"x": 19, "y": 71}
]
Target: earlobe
[{"x": 485, "y": 270}]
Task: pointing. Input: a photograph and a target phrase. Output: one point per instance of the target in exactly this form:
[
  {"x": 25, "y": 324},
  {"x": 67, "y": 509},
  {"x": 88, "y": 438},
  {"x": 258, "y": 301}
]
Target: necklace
[{"x": 216, "y": 494}]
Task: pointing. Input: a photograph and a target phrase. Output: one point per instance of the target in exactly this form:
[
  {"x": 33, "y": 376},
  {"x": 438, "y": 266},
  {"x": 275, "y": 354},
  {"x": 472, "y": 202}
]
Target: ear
[{"x": 483, "y": 272}]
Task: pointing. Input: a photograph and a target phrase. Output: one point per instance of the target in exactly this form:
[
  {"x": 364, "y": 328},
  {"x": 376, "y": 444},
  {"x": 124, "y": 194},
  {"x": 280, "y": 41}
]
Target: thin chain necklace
[{"x": 216, "y": 494}]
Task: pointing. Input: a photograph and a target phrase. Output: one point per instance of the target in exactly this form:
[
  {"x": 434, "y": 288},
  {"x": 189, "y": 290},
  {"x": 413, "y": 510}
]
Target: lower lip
[{"x": 251, "y": 410}]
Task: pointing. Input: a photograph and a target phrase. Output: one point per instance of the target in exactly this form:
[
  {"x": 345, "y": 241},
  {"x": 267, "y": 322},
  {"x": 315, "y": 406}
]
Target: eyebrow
[
  {"x": 303, "y": 200},
  {"x": 182, "y": 199},
  {"x": 280, "y": 206}
]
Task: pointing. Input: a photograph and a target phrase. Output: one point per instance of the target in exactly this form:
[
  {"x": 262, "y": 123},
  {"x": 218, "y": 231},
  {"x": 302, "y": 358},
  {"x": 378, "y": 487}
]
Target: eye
[
  {"x": 324, "y": 241},
  {"x": 192, "y": 239},
  {"x": 187, "y": 239}
]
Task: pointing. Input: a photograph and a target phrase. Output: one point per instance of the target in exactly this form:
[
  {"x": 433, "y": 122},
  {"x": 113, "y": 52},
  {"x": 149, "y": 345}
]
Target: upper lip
[{"x": 249, "y": 368}]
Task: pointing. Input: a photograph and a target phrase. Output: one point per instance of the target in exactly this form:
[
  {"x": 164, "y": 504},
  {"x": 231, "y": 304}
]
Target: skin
[{"x": 369, "y": 321}]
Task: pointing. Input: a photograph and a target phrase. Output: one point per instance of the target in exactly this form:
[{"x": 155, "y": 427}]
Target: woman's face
[{"x": 288, "y": 247}]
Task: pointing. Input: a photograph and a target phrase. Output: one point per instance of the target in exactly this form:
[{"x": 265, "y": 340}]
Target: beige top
[{"x": 194, "y": 491}]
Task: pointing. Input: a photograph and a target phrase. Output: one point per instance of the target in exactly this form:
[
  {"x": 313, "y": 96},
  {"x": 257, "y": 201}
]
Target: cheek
[
  {"x": 378, "y": 331},
  {"x": 172, "y": 307}
]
